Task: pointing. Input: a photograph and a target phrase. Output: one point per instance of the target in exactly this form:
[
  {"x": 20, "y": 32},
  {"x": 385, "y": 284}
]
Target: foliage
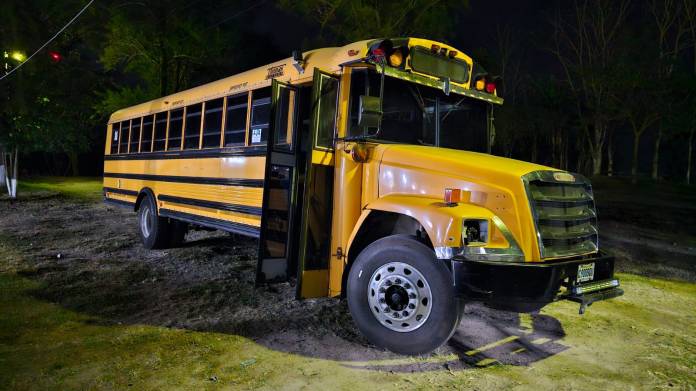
[
  {"x": 340, "y": 21},
  {"x": 162, "y": 45}
]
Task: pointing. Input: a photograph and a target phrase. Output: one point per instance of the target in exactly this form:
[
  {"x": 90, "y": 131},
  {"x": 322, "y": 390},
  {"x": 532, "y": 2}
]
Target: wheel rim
[
  {"x": 399, "y": 297},
  {"x": 146, "y": 221}
]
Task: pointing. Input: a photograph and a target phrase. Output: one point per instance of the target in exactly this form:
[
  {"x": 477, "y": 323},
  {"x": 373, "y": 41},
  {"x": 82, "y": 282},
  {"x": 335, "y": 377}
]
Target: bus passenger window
[
  {"x": 146, "y": 144},
  {"x": 235, "y": 120},
  {"x": 160, "y": 131},
  {"x": 176, "y": 120},
  {"x": 260, "y": 115},
  {"x": 212, "y": 123},
  {"x": 115, "y": 132},
  {"x": 135, "y": 135},
  {"x": 125, "y": 127},
  {"x": 192, "y": 133}
]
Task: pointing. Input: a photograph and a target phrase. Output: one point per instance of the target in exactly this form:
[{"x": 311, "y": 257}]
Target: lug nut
[
  {"x": 411, "y": 295},
  {"x": 388, "y": 283},
  {"x": 382, "y": 290},
  {"x": 397, "y": 281},
  {"x": 396, "y": 315},
  {"x": 386, "y": 309},
  {"x": 407, "y": 285},
  {"x": 412, "y": 306},
  {"x": 381, "y": 300}
]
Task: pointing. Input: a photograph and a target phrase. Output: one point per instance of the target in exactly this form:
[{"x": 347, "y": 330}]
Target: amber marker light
[
  {"x": 360, "y": 153},
  {"x": 453, "y": 196},
  {"x": 480, "y": 84},
  {"x": 396, "y": 58}
]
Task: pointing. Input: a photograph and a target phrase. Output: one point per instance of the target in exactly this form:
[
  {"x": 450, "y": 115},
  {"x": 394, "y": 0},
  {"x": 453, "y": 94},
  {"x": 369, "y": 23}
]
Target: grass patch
[
  {"x": 79, "y": 188},
  {"x": 641, "y": 340}
]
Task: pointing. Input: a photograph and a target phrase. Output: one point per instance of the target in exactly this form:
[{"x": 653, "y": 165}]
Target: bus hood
[{"x": 493, "y": 182}]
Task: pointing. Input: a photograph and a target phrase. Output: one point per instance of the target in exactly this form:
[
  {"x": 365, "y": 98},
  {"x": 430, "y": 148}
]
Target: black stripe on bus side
[
  {"x": 120, "y": 203},
  {"x": 120, "y": 191},
  {"x": 192, "y": 154},
  {"x": 188, "y": 179},
  {"x": 224, "y": 225},
  {"x": 252, "y": 210}
]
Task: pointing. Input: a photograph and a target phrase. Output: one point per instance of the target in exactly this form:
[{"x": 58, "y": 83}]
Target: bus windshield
[{"x": 420, "y": 115}]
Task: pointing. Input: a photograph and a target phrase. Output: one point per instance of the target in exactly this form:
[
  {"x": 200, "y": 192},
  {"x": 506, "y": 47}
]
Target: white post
[{"x": 12, "y": 183}]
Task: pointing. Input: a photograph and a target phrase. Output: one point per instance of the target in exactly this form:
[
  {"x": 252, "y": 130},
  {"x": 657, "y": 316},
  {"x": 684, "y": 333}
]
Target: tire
[
  {"x": 154, "y": 230},
  {"x": 389, "y": 318}
]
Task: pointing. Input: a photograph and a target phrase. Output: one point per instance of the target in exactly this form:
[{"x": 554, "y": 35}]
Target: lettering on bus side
[
  {"x": 177, "y": 102},
  {"x": 238, "y": 87},
  {"x": 275, "y": 71}
]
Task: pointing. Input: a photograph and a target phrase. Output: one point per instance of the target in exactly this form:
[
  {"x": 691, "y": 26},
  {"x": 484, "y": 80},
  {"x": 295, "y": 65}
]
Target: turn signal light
[
  {"x": 453, "y": 196},
  {"x": 480, "y": 84},
  {"x": 396, "y": 58}
]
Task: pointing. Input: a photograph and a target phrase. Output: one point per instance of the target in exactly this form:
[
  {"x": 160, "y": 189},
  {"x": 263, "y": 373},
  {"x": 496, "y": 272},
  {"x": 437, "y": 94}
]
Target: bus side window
[
  {"x": 260, "y": 115},
  {"x": 327, "y": 100},
  {"x": 146, "y": 144},
  {"x": 115, "y": 132},
  {"x": 235, "y": 119},
  {"x": 125, "y": 130},
  {"x": 212, "y": 123},
  {"x": 135, "y": 135},
  {"x": 192, "y": 133},
  {"x": 160, "y": 131},
  {"x": 176, "y": 119}
]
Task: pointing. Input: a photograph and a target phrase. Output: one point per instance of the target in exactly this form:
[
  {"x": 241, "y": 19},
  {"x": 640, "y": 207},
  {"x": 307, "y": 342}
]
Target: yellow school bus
[{"x": 365, "y": 172}]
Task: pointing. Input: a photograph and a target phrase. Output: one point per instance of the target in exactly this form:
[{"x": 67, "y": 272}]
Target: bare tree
[
  {"x": 671, "y": 27},
  {"x": 690, "y": 17},
  {"x": 585, "y": 44}
]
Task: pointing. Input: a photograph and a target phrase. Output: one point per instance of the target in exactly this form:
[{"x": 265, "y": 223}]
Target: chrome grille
[{"x": 564, "y": 213}]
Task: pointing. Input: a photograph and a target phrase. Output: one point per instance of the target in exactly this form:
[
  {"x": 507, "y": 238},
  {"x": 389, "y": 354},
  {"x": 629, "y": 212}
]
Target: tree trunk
[
  {"x": 689, "y": 156},
  {"x": 74, "y": 163},
  {"x": 610, "y": 157},
  {"x": 656, "y": 154},
  {"x": 634, "y": 161}
]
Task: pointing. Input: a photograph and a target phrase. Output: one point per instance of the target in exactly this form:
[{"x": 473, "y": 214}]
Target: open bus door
[
  {"x": 276, "y": 260},
  {"x": 315, "y": 228}
]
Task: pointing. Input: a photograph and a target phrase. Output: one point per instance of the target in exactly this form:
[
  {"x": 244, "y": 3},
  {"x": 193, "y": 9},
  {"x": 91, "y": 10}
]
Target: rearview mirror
[{"x": 370, "y": 113}]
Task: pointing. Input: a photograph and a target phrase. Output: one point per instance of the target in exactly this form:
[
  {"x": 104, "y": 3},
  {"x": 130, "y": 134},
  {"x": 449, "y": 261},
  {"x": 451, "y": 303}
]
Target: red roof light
[{"x": 55, "y": 56}]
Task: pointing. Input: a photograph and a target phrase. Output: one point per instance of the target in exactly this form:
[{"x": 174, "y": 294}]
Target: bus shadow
[{"x": 485, "y": 337}]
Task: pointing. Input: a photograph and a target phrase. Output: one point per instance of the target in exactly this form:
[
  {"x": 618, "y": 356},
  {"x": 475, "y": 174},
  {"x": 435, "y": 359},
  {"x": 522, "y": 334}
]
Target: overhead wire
[{"x": 49, "y": 41}]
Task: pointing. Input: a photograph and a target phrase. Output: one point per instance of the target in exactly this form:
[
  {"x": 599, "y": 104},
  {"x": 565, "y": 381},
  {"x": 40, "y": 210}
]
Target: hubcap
[
  {"x": 146, "y": 221},
  {"x": 399, "y": 296}
]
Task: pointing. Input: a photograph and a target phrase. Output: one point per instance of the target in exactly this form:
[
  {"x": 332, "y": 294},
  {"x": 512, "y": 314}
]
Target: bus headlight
[
  {"x": 479, "y": 243},
  {"x": 474, "y": 232}
]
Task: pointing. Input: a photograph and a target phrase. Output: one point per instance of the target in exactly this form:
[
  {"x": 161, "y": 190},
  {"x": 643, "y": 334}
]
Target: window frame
[
  {"x": 140, "y": 134},
  {"x": 222, "y": 123}
]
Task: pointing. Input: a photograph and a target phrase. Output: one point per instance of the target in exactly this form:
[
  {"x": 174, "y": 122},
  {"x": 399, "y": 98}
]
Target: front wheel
[{"x": 401, "y": 297}]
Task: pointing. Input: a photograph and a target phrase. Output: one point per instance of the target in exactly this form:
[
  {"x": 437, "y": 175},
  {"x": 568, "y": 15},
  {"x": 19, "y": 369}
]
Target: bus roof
[{"x": 326, "y": 59}]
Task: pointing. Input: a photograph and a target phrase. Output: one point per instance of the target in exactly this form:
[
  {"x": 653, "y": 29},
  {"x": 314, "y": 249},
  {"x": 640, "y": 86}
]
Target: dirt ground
[{"x": 86, "y": 258}]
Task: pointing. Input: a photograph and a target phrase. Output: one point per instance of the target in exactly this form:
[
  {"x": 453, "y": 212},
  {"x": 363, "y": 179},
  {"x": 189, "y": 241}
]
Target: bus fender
[
  {"x": 441, "y": 221},
  {"x": 144, "y": 192}
]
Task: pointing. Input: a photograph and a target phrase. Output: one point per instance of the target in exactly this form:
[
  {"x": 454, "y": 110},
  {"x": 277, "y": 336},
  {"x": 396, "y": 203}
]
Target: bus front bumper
[{"x": 528, "y": 286}]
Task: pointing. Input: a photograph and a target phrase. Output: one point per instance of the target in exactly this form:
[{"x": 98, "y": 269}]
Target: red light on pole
[{"x": 55, "y": 56}]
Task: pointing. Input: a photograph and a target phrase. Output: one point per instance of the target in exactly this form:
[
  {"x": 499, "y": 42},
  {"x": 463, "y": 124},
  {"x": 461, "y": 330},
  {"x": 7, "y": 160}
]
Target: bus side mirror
[{"x": 370, "y": 113}]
